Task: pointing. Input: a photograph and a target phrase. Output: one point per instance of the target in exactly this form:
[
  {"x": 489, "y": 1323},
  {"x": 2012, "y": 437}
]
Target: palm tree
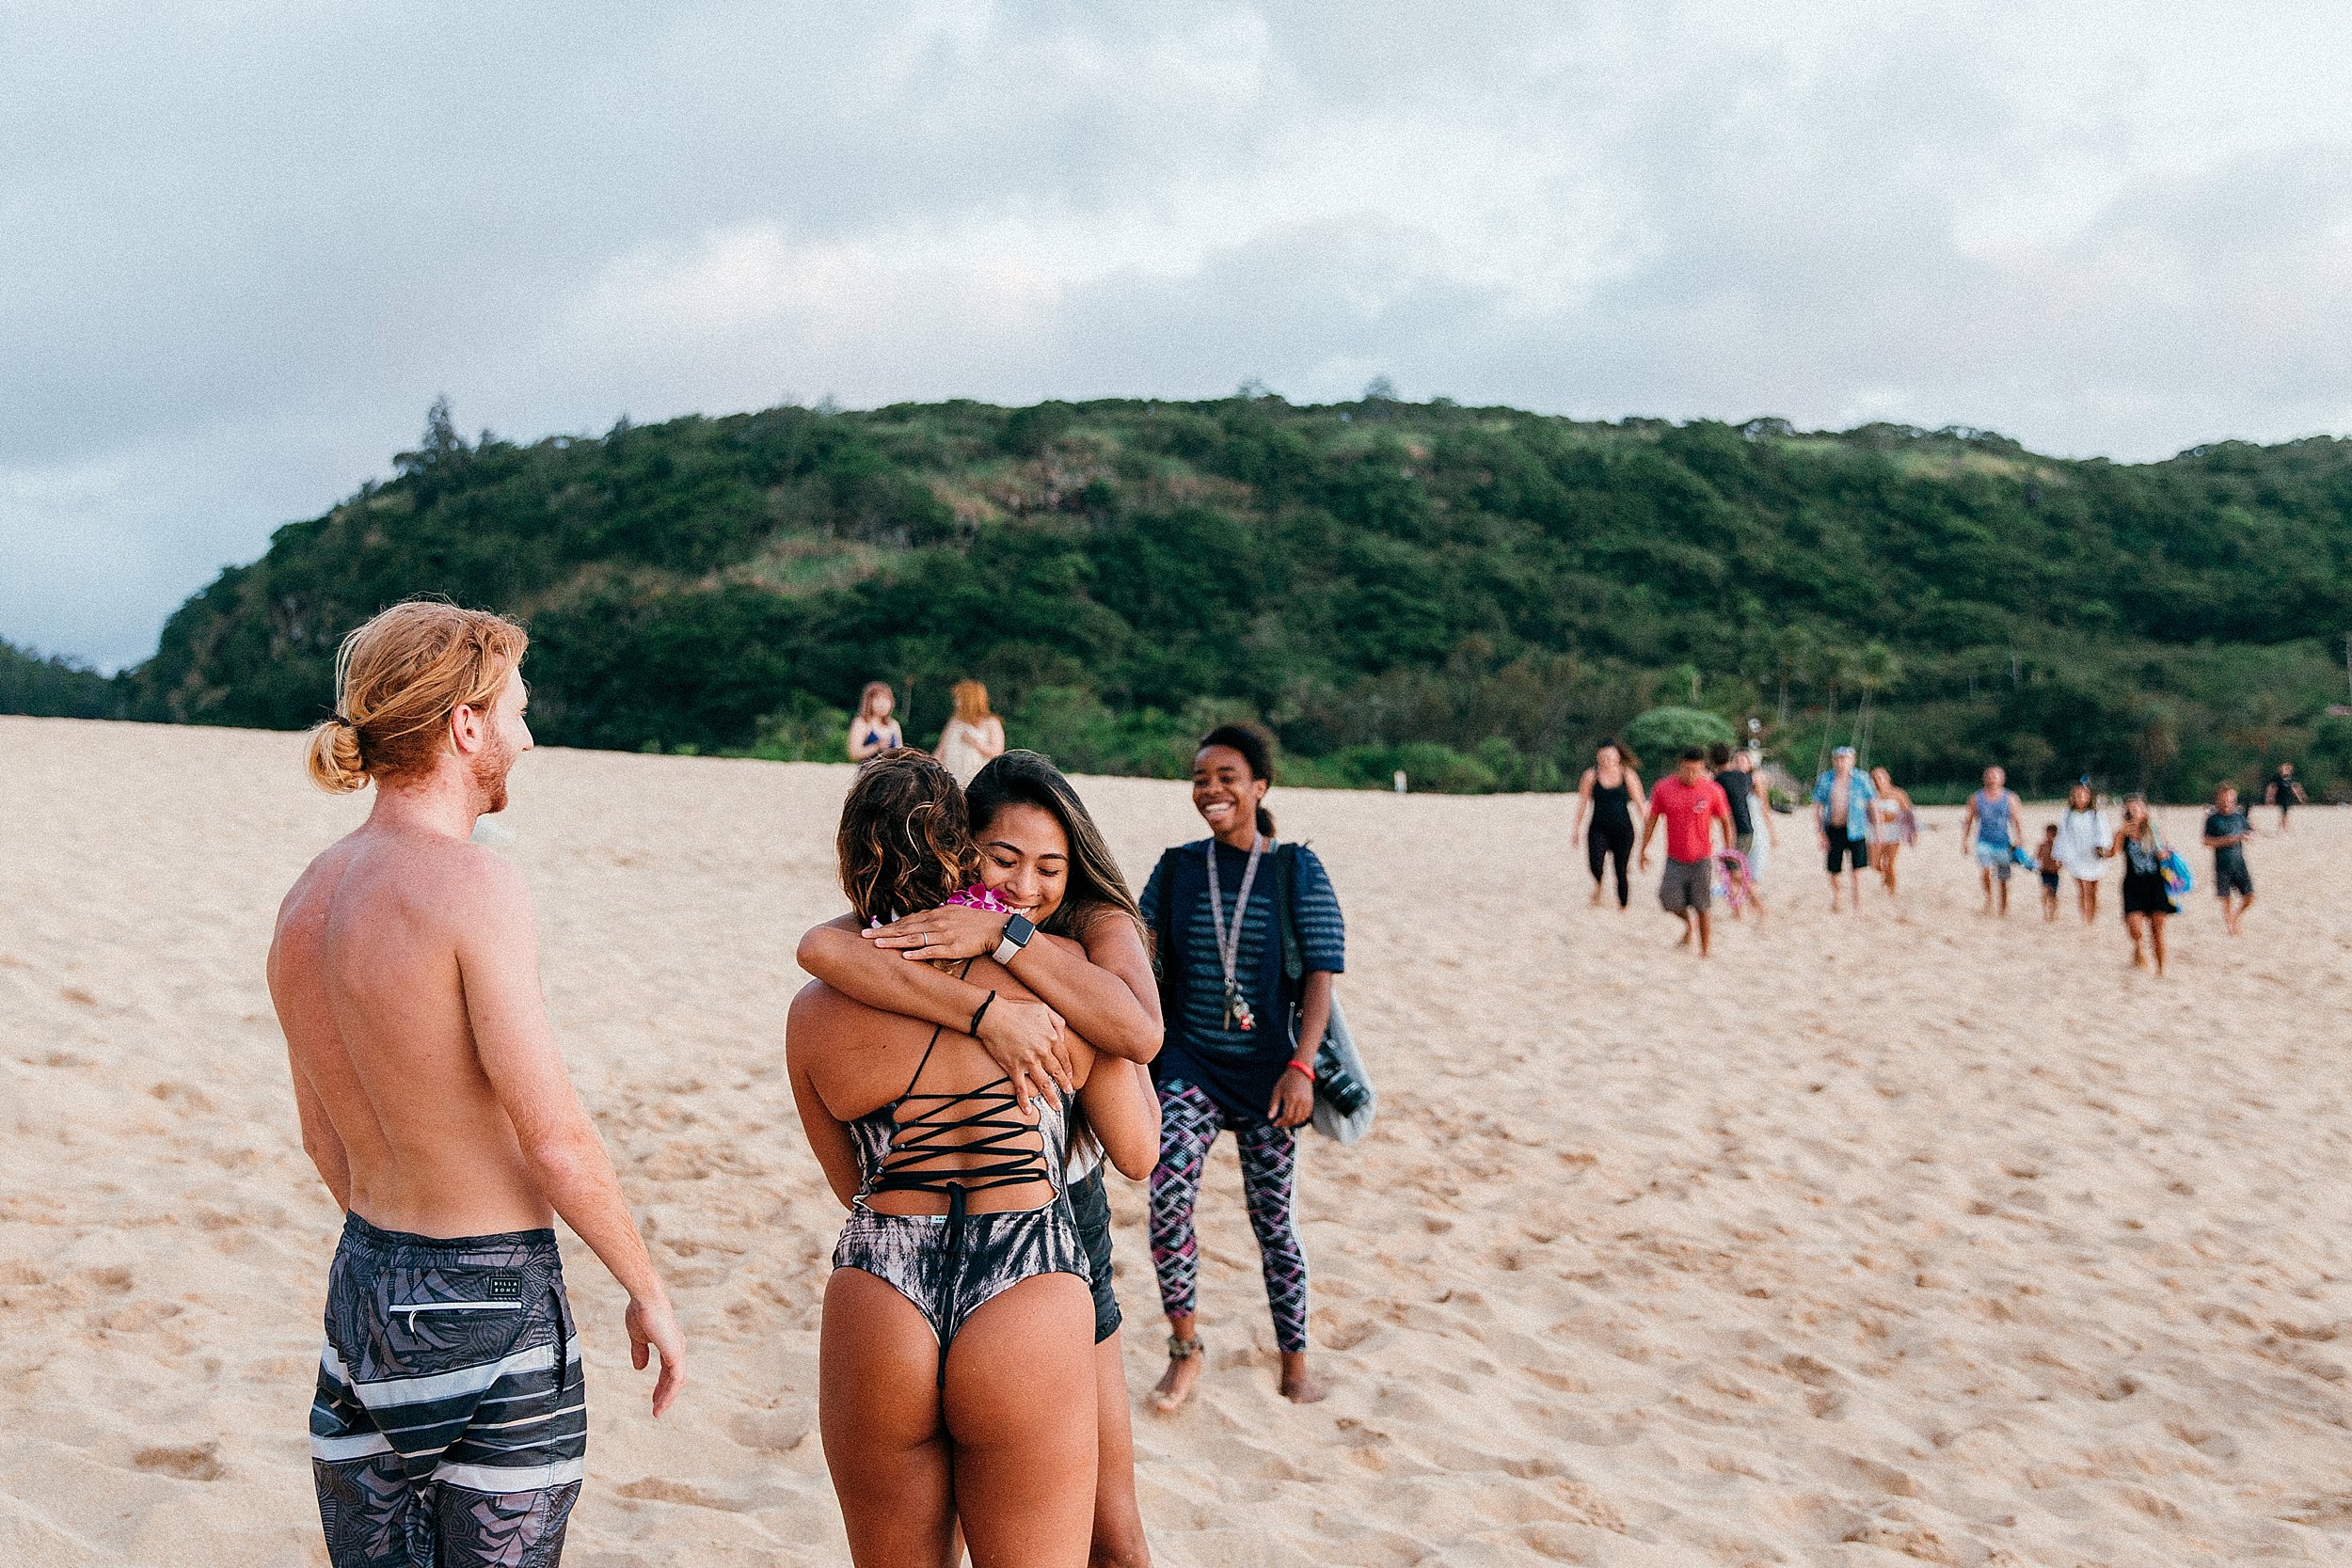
[
  {"x": 1793, "y": 652},
  {"x": 1873, "y": 671}
]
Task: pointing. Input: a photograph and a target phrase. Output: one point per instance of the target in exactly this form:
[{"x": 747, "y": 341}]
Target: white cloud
[{"x": 241, "y": 248}]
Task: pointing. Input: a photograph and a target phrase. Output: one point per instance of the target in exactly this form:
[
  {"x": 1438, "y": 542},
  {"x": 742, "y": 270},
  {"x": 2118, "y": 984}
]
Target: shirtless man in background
[{"x": 450, "y": 1421}]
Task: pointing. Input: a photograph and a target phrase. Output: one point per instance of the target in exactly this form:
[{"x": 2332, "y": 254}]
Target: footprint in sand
[{"x": 190, "y": 1462}]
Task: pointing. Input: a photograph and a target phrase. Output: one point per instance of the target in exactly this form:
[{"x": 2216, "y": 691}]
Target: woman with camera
[{"x": 1241, "y": 1036}]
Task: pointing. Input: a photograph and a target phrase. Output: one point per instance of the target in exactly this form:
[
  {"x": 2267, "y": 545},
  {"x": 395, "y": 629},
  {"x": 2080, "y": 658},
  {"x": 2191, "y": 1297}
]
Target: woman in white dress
[
  {"x": 2083, "y": 836},
  {"x": 974, "y": 737}
]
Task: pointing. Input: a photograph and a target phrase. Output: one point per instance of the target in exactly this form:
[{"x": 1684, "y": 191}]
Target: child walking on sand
[{"x": 2046, "y": 858}]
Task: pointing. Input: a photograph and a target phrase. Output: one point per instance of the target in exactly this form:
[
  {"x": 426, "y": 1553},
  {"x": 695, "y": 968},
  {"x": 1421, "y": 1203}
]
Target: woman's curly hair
[{"x": 906, "y": 839}]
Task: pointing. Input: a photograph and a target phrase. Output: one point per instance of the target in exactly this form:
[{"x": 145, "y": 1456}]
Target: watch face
[{"x": 1019, "y": 929}]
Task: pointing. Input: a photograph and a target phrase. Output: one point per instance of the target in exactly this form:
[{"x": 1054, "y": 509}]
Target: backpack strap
[
  {"x": 1286, "y": 909},
  {"x": 1164, "y": 927}
]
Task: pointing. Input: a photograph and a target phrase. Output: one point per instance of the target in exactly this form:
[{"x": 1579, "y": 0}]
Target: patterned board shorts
[{"x": 451, "y": 1426}]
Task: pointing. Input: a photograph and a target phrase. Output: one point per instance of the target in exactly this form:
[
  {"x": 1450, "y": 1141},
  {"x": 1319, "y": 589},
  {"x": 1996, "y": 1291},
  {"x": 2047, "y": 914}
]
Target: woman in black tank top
[{"x": 1611, "y": 790}]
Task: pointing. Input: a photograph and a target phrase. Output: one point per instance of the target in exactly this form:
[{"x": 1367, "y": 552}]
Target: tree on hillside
[
  {"x": 440, "y": 446},
  {"x": 1871, "y": 671}
]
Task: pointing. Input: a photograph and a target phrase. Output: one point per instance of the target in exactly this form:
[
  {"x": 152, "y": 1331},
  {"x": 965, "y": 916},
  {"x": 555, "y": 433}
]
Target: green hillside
[{"x": 1474, "y": 595}]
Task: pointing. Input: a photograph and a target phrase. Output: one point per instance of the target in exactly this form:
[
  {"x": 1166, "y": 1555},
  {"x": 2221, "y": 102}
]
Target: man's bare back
[
  {"x": 450, "y": 1420},
  {"x": 371, "y": 976}
]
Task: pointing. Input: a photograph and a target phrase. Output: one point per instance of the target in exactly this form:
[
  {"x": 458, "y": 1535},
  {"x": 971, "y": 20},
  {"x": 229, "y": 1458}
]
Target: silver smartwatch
[{"x": 1019, "y": 929}]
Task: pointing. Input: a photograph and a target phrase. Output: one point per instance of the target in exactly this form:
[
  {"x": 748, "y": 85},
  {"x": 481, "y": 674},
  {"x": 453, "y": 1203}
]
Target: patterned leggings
[{"x": 1189, "y": 1123}]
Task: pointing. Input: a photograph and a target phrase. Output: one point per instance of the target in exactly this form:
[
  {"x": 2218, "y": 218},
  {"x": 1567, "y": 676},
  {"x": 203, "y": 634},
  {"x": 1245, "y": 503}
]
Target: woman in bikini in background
[
  {"x": 956, "y": 1381},
  {"x": 1044, "y": 860},
  {"x": 874, "y": 731}
]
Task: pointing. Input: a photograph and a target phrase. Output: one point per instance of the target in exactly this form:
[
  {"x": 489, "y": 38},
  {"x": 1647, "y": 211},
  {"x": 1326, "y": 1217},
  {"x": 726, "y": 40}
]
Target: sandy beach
[{"x": 1921, "y": 1238}]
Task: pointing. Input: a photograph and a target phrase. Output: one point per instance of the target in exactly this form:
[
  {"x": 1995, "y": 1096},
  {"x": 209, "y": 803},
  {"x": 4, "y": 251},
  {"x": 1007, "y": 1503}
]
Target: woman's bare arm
[
  {"x": 1025, "y": 1038},
  {"x": 1584, "y": 802},
  {"x": 1123, "y": 1108},
  {"x": 828, "y": 1139},
  {"x": 1112, "y": 1000},
  {"x": 1105, "y": 989}
]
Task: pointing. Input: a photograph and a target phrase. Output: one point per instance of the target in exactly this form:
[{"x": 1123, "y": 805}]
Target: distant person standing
[
  {"x": 1766, "y": 839},
  {"x": 2285, "y": 791},
  {"x": 1893, "y": 825},
  {"x": 1691, "y": 803},
  {"x": 2226, "y": 832},
  {"x": 2083, "y": 833},
  {"x": 1841, "y": 821},
  {"x": 1735, "y": 772},
  {"x": 2147, "y": 902},
  {"x": 874, "y": 730},
  {"x": 974, "y": 737},
  {"x": 1611, "y": 790},
  {"x": 1998, "y": 819}
]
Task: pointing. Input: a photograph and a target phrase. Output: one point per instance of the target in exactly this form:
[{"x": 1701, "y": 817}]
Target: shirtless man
[{"x": 450, "y": 1420}]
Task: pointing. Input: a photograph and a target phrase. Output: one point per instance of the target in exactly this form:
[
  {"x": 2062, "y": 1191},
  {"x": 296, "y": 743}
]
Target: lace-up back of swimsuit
[{"x": 954, "y": 1145}]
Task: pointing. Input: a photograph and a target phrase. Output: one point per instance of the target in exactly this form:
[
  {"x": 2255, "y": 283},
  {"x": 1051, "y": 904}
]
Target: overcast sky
[{"x": 243, "y": 243}]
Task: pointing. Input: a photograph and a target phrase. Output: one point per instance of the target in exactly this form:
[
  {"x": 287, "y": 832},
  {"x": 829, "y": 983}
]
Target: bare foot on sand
[
  {"x": 1175, "y": 1385},
  {"x": 1298, "y": 1386}
]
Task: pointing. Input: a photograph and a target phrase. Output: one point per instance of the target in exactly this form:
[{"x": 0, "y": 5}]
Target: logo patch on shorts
[{"x": 506, "y": 1287}]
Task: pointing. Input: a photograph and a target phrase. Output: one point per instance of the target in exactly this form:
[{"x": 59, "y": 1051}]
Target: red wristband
[{"x": 1294, "y": 1065}]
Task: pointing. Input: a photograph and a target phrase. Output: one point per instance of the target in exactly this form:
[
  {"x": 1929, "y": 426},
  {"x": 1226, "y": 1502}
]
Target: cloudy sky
[{"x": 243, "y": 243}]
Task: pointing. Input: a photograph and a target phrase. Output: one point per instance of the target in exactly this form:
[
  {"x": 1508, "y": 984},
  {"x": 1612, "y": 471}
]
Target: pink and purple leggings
[{"x": 1189, "y": 1123}]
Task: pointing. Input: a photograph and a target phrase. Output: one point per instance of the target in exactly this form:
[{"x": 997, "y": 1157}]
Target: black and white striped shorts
[{"x": 451, "y": 1424}]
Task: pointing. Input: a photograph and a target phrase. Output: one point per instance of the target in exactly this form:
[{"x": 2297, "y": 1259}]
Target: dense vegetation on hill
[
  {"x": 1473, "y": 594},
  {"x": 53, "y": 688}
]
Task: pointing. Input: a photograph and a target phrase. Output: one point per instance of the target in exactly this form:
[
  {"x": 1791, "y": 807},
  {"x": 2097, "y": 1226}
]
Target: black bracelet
[{"x": 978, "y": 1013}]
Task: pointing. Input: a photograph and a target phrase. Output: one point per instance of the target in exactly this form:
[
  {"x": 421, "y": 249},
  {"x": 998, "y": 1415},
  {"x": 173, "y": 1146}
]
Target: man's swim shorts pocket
[
  {"x": 439, "y": 1304},
  {"x": 409, "y": 1309}
]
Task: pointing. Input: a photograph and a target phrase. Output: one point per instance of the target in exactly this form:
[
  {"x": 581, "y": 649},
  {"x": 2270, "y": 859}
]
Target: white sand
[{"x": 1923, "y": 1238}]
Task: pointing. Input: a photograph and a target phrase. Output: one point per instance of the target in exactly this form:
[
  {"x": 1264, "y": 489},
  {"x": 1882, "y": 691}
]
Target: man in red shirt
[{"x": 1691, "y": 804}]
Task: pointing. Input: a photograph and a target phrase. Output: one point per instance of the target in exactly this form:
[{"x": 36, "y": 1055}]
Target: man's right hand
[
  {"x": 653, "y": 1330},
  {"x": 1025, "y": 1040}
]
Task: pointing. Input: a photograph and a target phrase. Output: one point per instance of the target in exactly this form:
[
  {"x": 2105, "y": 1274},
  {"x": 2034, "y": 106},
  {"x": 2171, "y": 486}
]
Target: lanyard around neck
[{"x": 1229, "y": 945}]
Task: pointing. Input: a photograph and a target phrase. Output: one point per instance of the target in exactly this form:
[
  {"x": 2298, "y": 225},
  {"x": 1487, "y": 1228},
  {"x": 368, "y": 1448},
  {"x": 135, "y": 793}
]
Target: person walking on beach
[
  {"x": 2083, "y": 836},
  {"x": 1841, "y": 821},
  {"x": 973, "y": 737},
  {"x": 2285, "y": 791},
  {"x": 2226, "y": 832},
  {"x": 874, "y": 731},
  {"x": 1893, "y": 825},
  {"x": 450, "y": 1422},
  {"x": 1998, "y": 819},
  {"x": 1751, "y": 821},
  {"x": 2147, "y": 902},
  {"x": 1611, "y": 791},
  {"x": 956, "y": 1364},
  {"x": 1047, "y": 866},
  {"x": 2051, "y": 867},
  {"x": 1691, "y": 805},
  {"x": 1242, "y": 1040}
]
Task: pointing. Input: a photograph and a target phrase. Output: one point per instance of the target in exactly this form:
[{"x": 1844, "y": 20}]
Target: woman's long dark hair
[
  {"x": 1095, "y": 887},
  {"x": 905, "y": 844},
  {"x": 1256, "y": 748}
]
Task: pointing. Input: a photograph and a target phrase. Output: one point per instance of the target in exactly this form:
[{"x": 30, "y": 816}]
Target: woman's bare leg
[
  {"x": 1118, "y": 1541},
  {"x": 1020, "y": 1404},
  {"x": 2138, "y": 926},
  {"x": 878, "y": 1413},
  {"x": 2155, "y": 939}
]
